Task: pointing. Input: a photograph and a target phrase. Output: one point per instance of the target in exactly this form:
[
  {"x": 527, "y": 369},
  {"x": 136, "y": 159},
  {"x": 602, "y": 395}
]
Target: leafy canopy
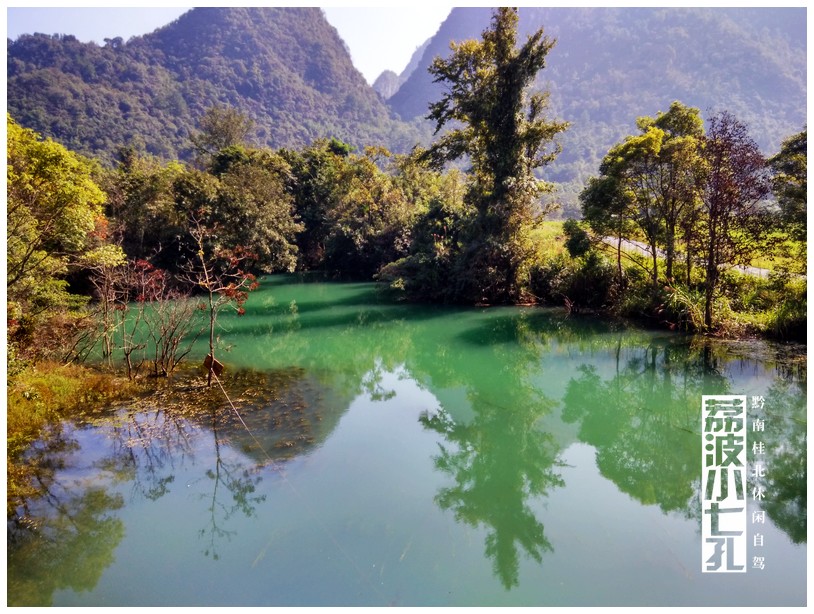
[
  {"x": 505, "y": 136},
  {"x": 54, "y": 219}
]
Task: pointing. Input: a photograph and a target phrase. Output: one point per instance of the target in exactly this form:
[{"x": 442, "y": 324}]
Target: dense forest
[
  {"x": 102, "y": 255},
  {"x": 288, "y": 70}
]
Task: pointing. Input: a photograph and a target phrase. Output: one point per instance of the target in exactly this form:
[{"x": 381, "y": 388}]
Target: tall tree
[
  {"x": 605, "y": 206},
  {"x": 631, "y": 165},
  {"x": 657, "y": 171},
  {"x": 370, "y": 224},
  {"x": 255, "y": 208},
  {"x": 316, "y": 187},
  {"x": 735, "y": 185},
  {"x": 505, "y": 136},
  {"x": 674, "y": 184},
  {"x": 140, "y": 203}
]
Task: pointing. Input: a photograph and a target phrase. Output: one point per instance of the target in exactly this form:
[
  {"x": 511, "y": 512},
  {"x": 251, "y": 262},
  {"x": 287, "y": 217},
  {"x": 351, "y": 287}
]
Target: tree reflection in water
[
  {"x": 64, "y": 531},
  {"x": 63, "y": 535},
  {"x": 644, "y": 422},
  {"x": 500, "y": 460},
  {"x": 785, "y": 441},
  {"x": 240, "y": 482}
]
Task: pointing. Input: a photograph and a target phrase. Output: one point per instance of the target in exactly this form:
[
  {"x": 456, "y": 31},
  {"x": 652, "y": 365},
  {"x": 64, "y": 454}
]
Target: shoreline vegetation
[{"x": 103, "y": 261}]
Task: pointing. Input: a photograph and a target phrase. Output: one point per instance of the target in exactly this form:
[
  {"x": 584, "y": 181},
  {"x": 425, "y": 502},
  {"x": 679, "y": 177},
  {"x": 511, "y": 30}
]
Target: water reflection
[
  {"x": 239, "y": 482},
  {"x": 509, "y": 390},
  {"x": 499, "y": 460},
  {"x": 785, "y": 439},
  {"x": 64, "y": 530},
  {"x": 64, "y": 533},
  {"x": 643, "y": 421}
]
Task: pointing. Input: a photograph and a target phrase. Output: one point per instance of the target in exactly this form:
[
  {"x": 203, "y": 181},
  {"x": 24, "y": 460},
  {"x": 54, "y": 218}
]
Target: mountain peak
[
  {"x": 285, "y": 67},
  {"x": 387, "y": 84}
]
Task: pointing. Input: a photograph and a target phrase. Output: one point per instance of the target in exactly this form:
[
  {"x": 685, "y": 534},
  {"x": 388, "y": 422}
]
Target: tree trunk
[
  {"x": 670, "y": 254},
  {"x": 211, "y": 340},
  {"x": 655, "y": 253},
  {"x": 709, "y": 290},
  {"x": 689, "y": 265}
]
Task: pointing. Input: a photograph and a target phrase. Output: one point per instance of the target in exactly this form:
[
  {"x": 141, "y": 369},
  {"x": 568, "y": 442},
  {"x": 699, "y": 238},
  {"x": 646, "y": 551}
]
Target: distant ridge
[
  {"x": 287, "y": 68},
  {"x": 611, "y": 65}
]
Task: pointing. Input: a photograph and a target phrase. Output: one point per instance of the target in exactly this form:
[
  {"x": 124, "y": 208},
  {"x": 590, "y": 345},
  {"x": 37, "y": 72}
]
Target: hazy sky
[{"x": 379, "y": 38}]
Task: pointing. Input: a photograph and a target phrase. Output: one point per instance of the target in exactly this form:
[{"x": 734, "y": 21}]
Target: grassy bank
[{"x": 746, "y": 305}]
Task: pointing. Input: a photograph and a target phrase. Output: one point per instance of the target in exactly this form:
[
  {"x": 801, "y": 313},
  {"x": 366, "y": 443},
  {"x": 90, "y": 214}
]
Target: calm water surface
[{"x": 404, "y": 455}]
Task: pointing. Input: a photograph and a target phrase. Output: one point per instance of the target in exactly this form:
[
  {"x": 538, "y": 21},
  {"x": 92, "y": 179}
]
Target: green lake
[{"x": 391, "y": 454}]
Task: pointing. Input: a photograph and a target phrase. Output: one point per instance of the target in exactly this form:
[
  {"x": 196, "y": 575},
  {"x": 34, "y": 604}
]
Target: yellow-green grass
[
  {"x": 47, "y": 392},
  {"x": 549, "y": 239}
]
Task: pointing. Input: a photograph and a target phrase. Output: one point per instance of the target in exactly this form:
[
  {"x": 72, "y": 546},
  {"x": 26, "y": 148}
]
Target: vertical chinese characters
[
  {"x": 758, "y": 473},
  {"x": 723, "y": 484}
]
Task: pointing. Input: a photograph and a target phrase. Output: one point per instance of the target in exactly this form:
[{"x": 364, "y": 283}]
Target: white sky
[{"x": 379, "y": 38}]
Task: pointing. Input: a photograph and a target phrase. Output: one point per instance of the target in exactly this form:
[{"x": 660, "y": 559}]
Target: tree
[
  {"x": 316, "y": 188},
  {"x": 605, "y": 206},
  {"x": 213, "y": 263},
  {"x": 735, "y": 184},
  {"x": 55, "y": 223},
  {"x": 140, "y": 202},
  {"x": 370, "y": 223},
  {"x": 255, "y": 208},
  {"x": 219, "y": 128},
  {"x": 790, "y": 187},
  {"x": 655, "y": 176},
  {"x": 220, "y": 275},
  {"x": 435, "y": 237},
  {"x": 505, "y": 137},
  {"x": 675, "y": 184}
]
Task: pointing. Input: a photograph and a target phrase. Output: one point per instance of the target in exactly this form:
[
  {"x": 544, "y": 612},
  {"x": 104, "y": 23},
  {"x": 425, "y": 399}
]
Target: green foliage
[
  {"x": 140, "y": 202},
  {"x": 585, "y": 283},
  {"x": 255, "y": 210},
  {"x": 425, "y": 273},
  {"x": 316, "y": 188},
  {"x": 373, "y": 216},
  {"x": 694, "y": 198},
  {"x": 776, "y": 306},
  {"x": 788, "y": 317},
  {"x": 219, "y": 129},
  {"x": 684, "y": 309},
  {"x": 577, "y": 241},
  {"x": 505, "y": 137},
  {"x": 55, "y": 225},
  {"x": 790, "y": 187},
  {"x": 651, "y": 181},
  {"x": 283, "y": 68}
]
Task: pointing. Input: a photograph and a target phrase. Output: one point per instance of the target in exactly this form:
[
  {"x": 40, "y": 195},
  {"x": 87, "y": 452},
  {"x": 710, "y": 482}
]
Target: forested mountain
[
  {"x": 286, "y": 68},
  {"x": 289, "y": 70},
  {"x": 611, "y": 65}
]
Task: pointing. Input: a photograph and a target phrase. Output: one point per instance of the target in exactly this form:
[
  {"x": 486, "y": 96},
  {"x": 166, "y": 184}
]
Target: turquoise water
[{"x": 412, "y": 455}]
